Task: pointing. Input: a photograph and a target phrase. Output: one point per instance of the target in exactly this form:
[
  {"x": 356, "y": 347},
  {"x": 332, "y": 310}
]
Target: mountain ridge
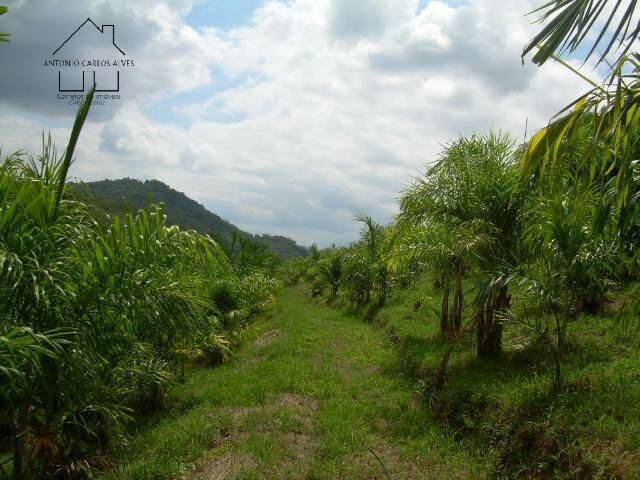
[{"x": 129, "y": 194}]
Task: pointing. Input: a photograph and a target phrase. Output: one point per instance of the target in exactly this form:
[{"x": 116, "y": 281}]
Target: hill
[{"x": 127, "y": 194}]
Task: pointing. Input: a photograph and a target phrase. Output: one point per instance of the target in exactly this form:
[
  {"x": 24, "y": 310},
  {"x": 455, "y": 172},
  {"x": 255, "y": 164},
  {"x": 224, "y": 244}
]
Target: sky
[{"x": 283, "y": 117}]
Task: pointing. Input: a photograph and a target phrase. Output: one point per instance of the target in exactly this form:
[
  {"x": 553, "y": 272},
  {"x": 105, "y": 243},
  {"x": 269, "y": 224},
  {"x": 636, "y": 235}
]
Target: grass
[
  {"x": 317, "y": 392},
  {"x": 312, "y": 393},
  {"x": 590, "y": 429}
]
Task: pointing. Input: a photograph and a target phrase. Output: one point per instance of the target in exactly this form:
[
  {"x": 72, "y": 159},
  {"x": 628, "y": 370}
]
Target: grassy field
[
  {"x": 312, "y": 393},
  {"x": 588, "y": 429},
  {"x": 316, "y": 391}
]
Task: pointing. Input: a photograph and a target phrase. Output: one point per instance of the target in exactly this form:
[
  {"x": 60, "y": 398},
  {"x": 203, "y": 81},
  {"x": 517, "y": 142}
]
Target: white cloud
[{"x": 336, "y": 104}]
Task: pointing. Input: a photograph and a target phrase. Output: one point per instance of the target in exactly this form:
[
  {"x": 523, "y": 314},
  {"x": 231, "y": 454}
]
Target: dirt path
[{"x": 313, "y": 394}]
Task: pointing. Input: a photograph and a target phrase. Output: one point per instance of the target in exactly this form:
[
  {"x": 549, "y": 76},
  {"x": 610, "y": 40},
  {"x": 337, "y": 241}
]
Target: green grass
[
  {"x": 318, "y": 392},
  {"x": 590, "y": 429},
  {"x": 313, "y": 393}
]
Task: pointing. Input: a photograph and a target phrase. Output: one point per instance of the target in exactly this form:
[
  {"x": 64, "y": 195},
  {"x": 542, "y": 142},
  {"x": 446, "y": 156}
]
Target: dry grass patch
[
  {"x": 267, "y": 338},
  {"x": 225, "y": 466},
  {"x": 264, "y": 420},
  {"x": 297, "y": 402}
]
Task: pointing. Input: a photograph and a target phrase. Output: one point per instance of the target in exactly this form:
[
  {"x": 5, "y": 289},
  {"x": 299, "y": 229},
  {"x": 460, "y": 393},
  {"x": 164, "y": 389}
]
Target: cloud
[
  {"x": 318, "y": 110},
  {"x": 354, "y": 19},
  {"x": 170, "y": 56}
]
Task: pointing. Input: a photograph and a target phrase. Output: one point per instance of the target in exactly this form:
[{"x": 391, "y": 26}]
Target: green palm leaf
[{"x": 568, "y": 22}]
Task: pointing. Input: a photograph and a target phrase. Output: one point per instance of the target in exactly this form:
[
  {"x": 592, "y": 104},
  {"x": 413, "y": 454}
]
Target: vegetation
[
  {"x": 545, "y": 238},
  {"x": 609, "y": 111},
  {"x": 98, "y": 320},
  {"x": 468, "y": 200},
  {"x": 548, "y": 394},
  {"x": 503, "y": 302},
  {"x": 312, "y": 393},
  {"x": 115, "y": 197},
  {"x": 507, "y": 405},
  {"x": 315, "y": 392},
  {"x": 366, "y": 275},
  {"x": 560, "y": 228}
]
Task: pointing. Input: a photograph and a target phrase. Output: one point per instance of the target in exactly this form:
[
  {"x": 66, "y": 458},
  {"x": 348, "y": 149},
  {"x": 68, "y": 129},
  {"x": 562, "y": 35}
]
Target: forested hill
[{"x": 126, "y": 194}]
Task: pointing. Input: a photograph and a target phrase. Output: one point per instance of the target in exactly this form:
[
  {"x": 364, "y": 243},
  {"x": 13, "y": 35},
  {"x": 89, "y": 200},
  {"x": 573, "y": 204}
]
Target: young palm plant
[
  {"x": 330, "y": 269},
  {"x": 116, "y": 306},
  {"x": 365, "y": 273}
]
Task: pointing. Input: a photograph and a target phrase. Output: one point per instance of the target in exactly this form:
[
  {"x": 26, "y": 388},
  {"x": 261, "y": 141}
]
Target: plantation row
[
  {"x": 538, "y": 250},
  {"x": 97, "y": 320},
  {"x": 545, "y": 230},
  {"x": 531, "y": 268}
]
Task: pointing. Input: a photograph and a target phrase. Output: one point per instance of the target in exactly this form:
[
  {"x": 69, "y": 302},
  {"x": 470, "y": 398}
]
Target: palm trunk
[
  {"x": 456, "y": 309},
  {"x": 489, "y": 325},
  {"x": 441, "y": 375},
  {"x": 444, "y": 315},
  {"x": 557, "y": 358},
  {"x": 382, "y": 298}
]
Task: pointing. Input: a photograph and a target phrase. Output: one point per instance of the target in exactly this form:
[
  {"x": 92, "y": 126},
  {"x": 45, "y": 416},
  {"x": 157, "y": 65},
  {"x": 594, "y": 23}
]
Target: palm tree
[
  {"x": 364, "y": 272},
  {"x": 374, "y": 244},
  {"x": 471, "y": 193},
  {"x": 569, "y": 23},
  {"x": 330, "y": 268},
  {"x": 248, "y": 255},
  {"x": 443, "y": 245},
  {"x": 22, "y": 357},
  {"x": 119, "y": 306}
]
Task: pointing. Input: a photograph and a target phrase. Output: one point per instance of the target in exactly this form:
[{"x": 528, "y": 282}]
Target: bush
[{"x": 95, "y": 322}]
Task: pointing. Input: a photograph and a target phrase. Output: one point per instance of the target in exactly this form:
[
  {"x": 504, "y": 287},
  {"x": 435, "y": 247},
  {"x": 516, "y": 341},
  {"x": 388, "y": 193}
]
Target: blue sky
[
  {"x": 227, "y": 14},
  {"x": 223, "y": 14},
  {"x": 168, "y": 110}
]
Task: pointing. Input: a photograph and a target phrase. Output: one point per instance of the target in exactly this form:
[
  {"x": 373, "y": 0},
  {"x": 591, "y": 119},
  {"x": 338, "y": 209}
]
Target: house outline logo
[
  {"x": 101, "y": 30},
  {"x": 105, "y": 31}
]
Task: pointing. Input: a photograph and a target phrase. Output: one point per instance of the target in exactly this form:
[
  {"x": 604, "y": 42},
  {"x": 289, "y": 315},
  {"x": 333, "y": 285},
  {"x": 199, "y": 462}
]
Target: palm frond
[{"x": 569, "y": 23}]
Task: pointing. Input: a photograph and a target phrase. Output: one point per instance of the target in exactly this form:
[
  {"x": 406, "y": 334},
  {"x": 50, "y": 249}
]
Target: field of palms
[
  {"x": 489, "y": 330},
  {"x": 97, "y": 320}
]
